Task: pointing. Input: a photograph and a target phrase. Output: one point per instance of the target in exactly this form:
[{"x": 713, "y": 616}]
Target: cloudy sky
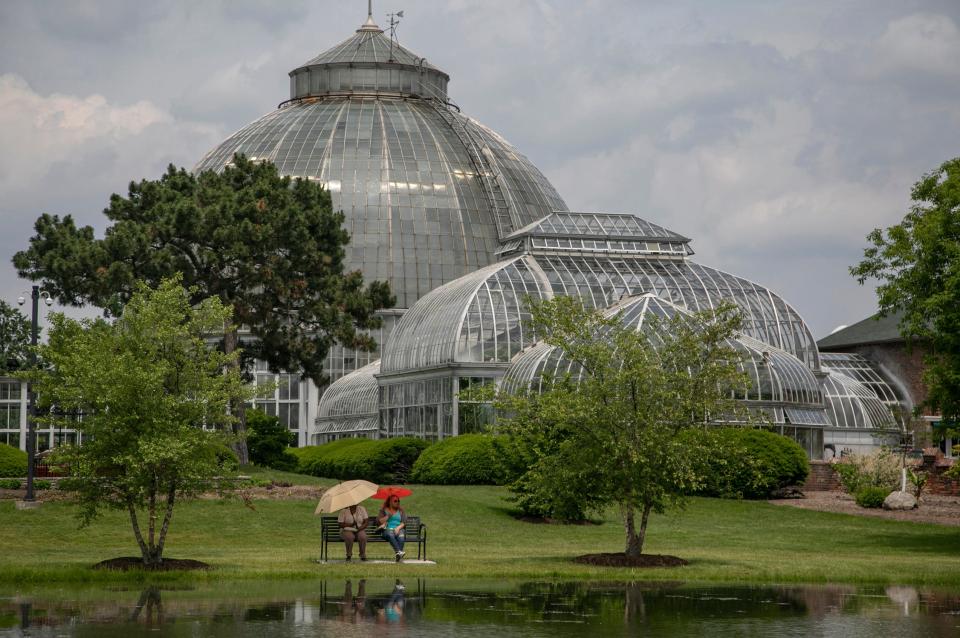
[{"x": 776, "y": 134}]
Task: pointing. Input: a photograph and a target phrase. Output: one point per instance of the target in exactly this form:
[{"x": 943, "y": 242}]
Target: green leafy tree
[
  {"x": 610, "y": 430},
  {"x": 268, "y": 440},
  {"x": 14, "y": 339},
  {"x": 152, "y": 394},
  {"x": 917, "y": 264},
  {"x": 270, "y": 247}
]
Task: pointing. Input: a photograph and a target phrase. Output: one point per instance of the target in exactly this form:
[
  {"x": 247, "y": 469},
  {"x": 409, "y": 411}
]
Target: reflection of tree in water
[
  {"x": 570, "y": 608},
  {"x": 149, "y": 606},
  {"x": 631, "y": 604}
]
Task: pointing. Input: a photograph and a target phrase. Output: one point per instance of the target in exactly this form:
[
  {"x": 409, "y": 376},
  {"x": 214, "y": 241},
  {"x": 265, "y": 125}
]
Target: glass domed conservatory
[
  {"x": 473, "y": 331},
  {"x": 427, "y": 191},
  {"x": 464, "y": 227}
]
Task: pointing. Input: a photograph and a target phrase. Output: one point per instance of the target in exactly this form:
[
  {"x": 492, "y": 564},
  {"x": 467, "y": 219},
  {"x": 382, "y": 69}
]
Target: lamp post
[{"x": 35, "y": 295}]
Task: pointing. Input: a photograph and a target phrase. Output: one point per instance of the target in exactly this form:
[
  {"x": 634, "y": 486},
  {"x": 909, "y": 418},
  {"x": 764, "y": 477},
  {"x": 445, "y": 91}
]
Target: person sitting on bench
[
  {"x": 353, "y": 526},
  {"x": 393, "y": 519}
]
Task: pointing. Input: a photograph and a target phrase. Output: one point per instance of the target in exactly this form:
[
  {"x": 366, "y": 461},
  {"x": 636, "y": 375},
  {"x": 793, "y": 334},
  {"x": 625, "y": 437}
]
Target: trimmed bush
[
  {"x": 316, "y": 459},
  {"x": 872, "y": 496},
  {"x": 13, "y": 462},
  {"x": 468, "y": 459},
  {"x": 740, "y": 462},
  {"x": 268, "y": 440},
  {"x": 10, "y": 484},
  {"x": 41, "y": 484},
  {"x": 379, "y": 461}
]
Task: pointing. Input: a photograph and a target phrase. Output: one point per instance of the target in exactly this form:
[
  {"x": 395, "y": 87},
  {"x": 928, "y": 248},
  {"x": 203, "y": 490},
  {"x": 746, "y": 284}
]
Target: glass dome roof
[
  {"x": 427, "y": 192},
  {"x": 350, "y": 403},
  {"x": 780, "y": 384},
  {"x": 853, "y": 405},
  {"x": 480, "y": 317},
  {"x": 856, "y": 367}
]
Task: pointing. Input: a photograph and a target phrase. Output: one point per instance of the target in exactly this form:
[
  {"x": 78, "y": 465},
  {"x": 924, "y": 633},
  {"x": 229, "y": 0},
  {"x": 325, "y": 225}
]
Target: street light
[{"x": 35, "y": 295}]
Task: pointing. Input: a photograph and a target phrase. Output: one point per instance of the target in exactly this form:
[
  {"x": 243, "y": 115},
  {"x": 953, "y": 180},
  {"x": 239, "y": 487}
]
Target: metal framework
[
  {"x": 780, "y": 384},
  {"x": 480, "y": 317},
  {"x": 349, "y": 407},
  {"x": 854, "y": 406}
]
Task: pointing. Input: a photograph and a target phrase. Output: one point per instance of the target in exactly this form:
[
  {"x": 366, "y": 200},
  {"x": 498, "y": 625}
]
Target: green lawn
[{"x": 472, "y": 535}]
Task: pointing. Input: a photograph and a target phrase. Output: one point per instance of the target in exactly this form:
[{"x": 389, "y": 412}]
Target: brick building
[{"x": 877, "y": 340}]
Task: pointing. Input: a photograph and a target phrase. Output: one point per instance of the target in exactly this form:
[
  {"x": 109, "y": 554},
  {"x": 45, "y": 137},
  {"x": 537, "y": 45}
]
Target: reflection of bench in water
[
  {"x": 383, "y": 603},
  {"x": 415, "y": 532}
]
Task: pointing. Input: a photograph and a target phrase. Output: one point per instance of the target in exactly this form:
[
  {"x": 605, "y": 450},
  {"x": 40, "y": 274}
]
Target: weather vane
[{"x": 394, "y": 21}]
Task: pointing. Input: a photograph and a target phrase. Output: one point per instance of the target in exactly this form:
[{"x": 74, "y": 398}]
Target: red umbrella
[{"x": 384, "y": 492}]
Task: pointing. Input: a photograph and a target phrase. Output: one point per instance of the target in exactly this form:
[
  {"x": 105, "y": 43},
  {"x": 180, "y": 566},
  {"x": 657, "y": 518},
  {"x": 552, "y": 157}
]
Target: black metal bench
[{"x": 414, "y": 532}]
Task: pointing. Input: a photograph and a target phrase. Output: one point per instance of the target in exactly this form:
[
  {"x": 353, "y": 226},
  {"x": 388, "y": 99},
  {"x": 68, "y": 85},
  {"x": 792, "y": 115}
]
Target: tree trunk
[
  {"x": 171, "y": 496},
  {"x": 635, "y": 539},
  {"x": 144, "y": 550},
  {"x": 152, "y": 511},
  {"x": 231, "y": 341},
  {"x": 642, "y": 536},
  {"x": 634, "y": 543}
]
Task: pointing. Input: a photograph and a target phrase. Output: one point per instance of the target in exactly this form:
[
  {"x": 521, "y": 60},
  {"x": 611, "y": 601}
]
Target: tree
[
  {"x": 152, "y": 394},
  {"x": 271, "y": 247},
  {"x": 14, "y": 339},
  {"x": 608, "y": 432},
  {"x": 917, "y": 264},
  {"x": 268, "y": 440}
]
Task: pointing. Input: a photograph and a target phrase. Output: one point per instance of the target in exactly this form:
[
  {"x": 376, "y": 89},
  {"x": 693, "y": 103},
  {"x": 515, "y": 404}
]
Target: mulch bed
[
  {"x": 934, "y": 508},
  {"x": 622, "y": 560},
  {"x": 127, "y": 563}
]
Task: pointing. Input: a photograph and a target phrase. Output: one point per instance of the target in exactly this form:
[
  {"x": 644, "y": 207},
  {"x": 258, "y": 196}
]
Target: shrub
[
  {"x": 524, "y": 477},
  {"x": 225, "y": 457},
  {"x": 41, "y": 484},
  {"x": 872, "y": 496},
  {"x": 740, "y": 462},
  {"x": 858, "y": 471},
  {"x": 316, "y": 459},
  {"x": 13, "y": 462},
  {"x": 380, "y": 461},
  {"x": 268, "y": 441},
  {"x": 469, "y": 459},
  {"x": 10, "y": 484}
]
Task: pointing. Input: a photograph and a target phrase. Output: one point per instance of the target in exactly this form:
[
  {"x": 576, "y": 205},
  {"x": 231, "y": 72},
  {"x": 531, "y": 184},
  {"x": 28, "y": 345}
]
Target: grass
[{"x": 473, "y": 535}]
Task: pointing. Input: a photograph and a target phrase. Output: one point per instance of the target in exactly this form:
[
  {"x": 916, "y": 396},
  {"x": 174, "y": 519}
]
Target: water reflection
[
  {"x": 454, "y": 608},
  {"x": 392, "y": 609}
]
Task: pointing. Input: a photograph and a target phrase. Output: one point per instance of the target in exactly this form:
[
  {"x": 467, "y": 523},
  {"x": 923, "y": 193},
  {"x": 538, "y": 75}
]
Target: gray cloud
[{"x": 777, "y": 134}]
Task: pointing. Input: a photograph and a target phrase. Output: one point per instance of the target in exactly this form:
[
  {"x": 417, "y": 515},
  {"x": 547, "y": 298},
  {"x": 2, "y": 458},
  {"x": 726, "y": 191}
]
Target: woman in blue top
[{"x": 393, "y": 519}]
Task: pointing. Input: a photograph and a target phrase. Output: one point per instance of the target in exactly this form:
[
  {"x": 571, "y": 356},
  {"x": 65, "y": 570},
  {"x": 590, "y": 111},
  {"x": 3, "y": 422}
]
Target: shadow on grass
[{"x": 516, "y": 514}]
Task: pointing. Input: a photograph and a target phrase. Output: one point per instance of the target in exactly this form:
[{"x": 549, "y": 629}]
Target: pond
[{"x": 418, "y": 607}]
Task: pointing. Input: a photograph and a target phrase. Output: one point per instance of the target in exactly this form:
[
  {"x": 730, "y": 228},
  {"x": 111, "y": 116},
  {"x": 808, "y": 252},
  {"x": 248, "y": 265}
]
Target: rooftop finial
[{"x": 370, "y": 25}]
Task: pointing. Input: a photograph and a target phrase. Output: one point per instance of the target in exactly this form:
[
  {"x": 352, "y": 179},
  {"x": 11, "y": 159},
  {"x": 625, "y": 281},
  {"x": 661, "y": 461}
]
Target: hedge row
[
  {"x": 468, "y": 459},
  {"x": 741, "y": 462},
  {"x": 13, "y": 462},
  {"x": 379, "y": 461}
]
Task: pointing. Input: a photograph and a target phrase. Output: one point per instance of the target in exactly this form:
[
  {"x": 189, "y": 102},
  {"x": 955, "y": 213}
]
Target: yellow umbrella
[{"x": 344, "y": 495}]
